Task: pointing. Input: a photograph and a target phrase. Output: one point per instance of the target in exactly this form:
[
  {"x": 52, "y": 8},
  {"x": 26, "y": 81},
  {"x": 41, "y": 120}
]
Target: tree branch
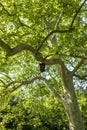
[
  {"x": 57, "y": 61},
  {"x": 77, "y": 13},
  {"x": 38, "y": 56},
  {"x": 7, "y": 10},
  {"x": 49, "y": 86},
  {"x": 5, "y": 46},
  {"x": 2, "y": 82},
  {"x": 23, "y": 24},
  {"x": 61, "y": 31},
  {"x": 69, "y": 55},
  {"x": 81, "y": 77},
  {"x": 21, "y": 83},
  {"x": 12, "y": 51},
  {"x": 51, "y": 33},
  {"x": 78, "y": 66},
  {"x": 20, "y": 48},
  {"x": 54, "y": 61}
]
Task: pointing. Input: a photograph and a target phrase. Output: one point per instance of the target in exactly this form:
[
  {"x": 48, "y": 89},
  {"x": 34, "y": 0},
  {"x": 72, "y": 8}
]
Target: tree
[
  {"x": 48, "y": 33},
  {"x": 22, "y": 113}
]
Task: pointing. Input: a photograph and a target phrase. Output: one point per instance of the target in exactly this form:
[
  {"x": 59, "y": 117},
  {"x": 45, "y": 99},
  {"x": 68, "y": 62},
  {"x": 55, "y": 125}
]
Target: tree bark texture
[{"x": 71, "y": 105}]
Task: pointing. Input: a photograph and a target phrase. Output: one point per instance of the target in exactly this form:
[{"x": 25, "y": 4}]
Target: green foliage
[
  {"x": 82, "y": 98},
  {"x": 29, "y": 110},
  {"x": 33, "y": 111},
  {"x": 29, "y": 22}
]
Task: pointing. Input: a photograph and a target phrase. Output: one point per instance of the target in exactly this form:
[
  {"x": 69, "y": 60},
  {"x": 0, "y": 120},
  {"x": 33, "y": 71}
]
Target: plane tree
[{"x": 45, "y": 42}]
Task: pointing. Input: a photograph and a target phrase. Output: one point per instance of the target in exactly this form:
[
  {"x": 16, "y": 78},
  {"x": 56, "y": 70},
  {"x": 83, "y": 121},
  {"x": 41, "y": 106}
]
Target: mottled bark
[{"x": 70, "y": 103}]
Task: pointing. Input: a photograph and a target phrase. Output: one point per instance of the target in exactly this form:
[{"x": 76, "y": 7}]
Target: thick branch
[
  {"x": 12, "y": 51},
  {"x": 20, "y": 48},
  {"x": 54, "y": 61},
  {"x": 38, "y": 56},
  {"x": 51, "y": 88},
  {"x": 57, "y": 61},
  {"x": 5, "y": 46}
]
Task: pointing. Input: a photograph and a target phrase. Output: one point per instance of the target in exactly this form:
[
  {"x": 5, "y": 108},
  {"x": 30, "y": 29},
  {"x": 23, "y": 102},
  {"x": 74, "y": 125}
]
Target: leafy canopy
[{"x": 46, "y": 29}]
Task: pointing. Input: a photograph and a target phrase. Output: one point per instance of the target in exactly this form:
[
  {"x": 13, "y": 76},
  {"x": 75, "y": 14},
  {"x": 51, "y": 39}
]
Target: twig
[
  {"x": 81, "y": 77},
  {"x": 2, "y": 82},
  {"x": 7, "y": 10},
  {"x": 78, "y": 66},
  {"x": 23, "y": 24}
]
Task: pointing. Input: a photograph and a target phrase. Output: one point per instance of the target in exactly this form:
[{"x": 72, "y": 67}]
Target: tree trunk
[{"x": 71, "y": 105}]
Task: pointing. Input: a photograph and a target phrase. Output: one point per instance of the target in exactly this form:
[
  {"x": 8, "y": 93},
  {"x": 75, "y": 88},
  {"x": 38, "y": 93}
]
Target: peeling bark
[{"x": 71, "y": 105}]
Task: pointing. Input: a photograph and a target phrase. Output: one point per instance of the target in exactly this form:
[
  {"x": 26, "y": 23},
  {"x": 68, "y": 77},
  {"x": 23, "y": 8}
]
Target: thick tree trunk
[{"x": 71, "y": 105}]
